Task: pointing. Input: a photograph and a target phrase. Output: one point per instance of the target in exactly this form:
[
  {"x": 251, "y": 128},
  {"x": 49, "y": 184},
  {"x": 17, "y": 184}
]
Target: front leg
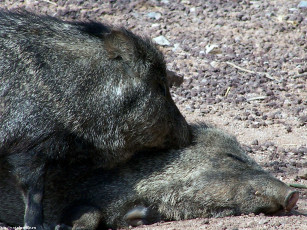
[
  {"x": 33, "y": 197},
  {"x": 29, "y": 170}
]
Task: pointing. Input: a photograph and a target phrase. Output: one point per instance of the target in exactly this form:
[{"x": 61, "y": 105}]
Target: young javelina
[
  {"x": 212, "y": 178},
  {"x": 79, "y": 91}
]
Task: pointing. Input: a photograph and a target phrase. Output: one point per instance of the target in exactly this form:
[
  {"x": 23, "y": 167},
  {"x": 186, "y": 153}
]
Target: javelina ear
[{"x": 119, "y": 45}]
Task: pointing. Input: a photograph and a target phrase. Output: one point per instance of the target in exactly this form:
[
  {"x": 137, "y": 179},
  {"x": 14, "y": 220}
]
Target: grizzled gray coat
[{"x": 78, "y": 91}]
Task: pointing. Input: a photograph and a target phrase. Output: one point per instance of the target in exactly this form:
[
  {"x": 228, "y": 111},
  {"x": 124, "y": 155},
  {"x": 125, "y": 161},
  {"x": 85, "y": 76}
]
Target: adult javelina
[
  {"x": 211, "y": 178},
  {"x": 66, "y": 87}
]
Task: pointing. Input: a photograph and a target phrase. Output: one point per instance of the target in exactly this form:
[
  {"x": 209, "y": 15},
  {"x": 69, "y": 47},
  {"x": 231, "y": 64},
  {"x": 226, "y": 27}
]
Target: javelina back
[
  {"x": 211, "y": 178},
  {"x": 70, "y": 87}
]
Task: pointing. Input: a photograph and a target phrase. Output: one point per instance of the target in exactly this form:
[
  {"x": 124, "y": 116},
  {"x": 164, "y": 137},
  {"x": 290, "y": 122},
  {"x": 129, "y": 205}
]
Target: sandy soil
[{"x": 245, "y": 70}]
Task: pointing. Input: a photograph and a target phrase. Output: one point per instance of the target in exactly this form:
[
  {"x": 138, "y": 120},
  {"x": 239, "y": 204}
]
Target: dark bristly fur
[
  {"x": 211, "y": 178},
  {"x": 79, "y": 91}
]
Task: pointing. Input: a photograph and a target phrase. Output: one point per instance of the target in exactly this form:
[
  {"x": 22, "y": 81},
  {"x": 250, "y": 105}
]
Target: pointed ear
[{"x": 119, "y": 45}]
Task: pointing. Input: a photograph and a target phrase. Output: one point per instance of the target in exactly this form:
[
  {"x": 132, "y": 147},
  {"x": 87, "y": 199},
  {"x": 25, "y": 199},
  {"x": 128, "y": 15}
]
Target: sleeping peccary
[
  {"x": 76, "y": 91},
  {"x": 213, "y": 177}
]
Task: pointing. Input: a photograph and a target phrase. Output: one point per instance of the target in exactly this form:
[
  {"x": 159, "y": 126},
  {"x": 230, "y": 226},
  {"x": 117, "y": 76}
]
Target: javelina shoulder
[
  {"x": 213, "y": 177},
  {"x": 75, "y": 91}
]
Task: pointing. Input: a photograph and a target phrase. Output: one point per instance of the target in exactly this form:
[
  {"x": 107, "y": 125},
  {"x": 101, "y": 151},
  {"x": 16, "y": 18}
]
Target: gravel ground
[{"x": 244, "y": 65}]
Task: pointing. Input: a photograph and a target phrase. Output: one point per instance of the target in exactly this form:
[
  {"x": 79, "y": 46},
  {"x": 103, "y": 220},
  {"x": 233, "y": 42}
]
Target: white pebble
[
  {"x": 302, "y": 4},
  {"x": 161, "y": 40}
]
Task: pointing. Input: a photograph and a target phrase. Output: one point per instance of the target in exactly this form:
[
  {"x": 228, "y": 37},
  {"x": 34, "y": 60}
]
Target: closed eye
[{"x": 235, "y": 157}]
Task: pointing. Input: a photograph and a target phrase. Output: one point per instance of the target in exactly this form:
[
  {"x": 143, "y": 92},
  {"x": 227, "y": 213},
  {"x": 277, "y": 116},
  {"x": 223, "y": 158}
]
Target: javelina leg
[
  {"x": 33, "y": 205},
  {"x": 29, "y": 170}
]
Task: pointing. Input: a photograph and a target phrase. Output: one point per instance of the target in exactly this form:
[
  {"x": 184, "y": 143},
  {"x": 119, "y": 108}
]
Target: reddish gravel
[{"x": 245, "y": 70}]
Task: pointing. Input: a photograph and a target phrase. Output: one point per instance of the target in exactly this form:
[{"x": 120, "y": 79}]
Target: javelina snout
[
  {"x": 270, "y": 195},
  {"x": 291, "y": 199},
  {"x": 252, "y": 192},
  {"x": 173, "y": 131}
]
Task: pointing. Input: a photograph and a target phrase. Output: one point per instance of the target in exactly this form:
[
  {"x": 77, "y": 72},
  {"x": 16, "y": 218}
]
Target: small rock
[
  {"x": 244, "y": 118},
  {"x": 255, "y": 142},
  {"x": 263, "y": 221},
  {"x": 302, "y": 150},
  {"x": 264, "y": 117},
  {"x": 237, "y": 118},
  {"x": 303, "y": 120},
  {"x": 155, "y": 25},
  {"x": 176, "y": 47},
  {"x": 204, "y": 111},
  {"x": 251, "y": 118},
  {"x": 302, "y": 5},
  {"x": 268, "y": 144},
  {"x": 161, "y": 40},
  {"x": 212, "y": 49},
  {"x": 289, "y": 129},
  {"x": 136, "y": 15},
  {"x": 293, "y": 9},
  {"x": 214, "y": 64},
  {"x": 189, "y": 108},
  {"x": 302, "y": 173},
  {"x": 255, "y": 125},
  {"x": 154, "y": 15},
  {"x": 248, "y": 149}
]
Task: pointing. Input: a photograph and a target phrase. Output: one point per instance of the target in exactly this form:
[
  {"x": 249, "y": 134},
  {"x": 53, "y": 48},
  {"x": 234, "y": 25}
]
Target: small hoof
[{"x": 136, "y": 216}]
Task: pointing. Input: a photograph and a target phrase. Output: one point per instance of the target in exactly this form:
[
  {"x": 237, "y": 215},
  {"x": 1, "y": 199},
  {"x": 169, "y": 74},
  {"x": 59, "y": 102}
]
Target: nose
[{"x": 291, "y": 200}]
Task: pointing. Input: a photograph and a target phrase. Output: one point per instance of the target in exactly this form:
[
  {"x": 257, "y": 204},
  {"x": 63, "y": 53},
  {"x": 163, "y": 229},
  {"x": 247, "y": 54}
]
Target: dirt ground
[{"x": 244, "y": 65}]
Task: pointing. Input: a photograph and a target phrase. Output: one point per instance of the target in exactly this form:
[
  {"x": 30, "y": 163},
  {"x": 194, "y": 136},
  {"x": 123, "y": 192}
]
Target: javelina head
[
  {"x": 130, "y": 99},
  {"x": 148, "y": 106},
  {"x": 238, "y": 184},
  {"x": 213, "y": 178}
]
